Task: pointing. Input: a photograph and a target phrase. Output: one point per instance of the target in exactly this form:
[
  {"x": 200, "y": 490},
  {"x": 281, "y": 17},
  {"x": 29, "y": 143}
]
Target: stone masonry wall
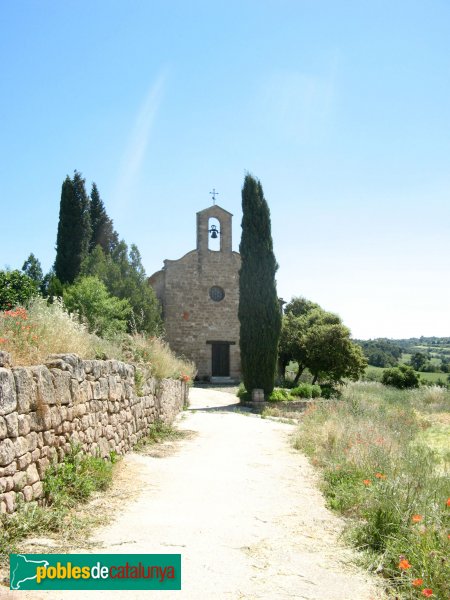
[{"x": 94, "y": 403}]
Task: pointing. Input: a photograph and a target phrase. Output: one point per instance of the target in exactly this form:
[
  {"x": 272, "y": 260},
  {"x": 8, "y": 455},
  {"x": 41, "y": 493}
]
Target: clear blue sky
[{"x": 342, "y": 109}]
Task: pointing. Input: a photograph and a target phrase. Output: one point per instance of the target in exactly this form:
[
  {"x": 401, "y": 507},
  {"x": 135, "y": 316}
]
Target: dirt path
[{"x": 243, "y": 510}]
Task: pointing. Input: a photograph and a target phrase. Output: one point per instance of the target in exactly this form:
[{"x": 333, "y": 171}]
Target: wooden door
[{"x": 220, "y": 359}]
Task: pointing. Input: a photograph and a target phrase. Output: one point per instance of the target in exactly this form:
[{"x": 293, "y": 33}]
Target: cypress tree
[
  {"x": 103, "y": 233},
  {"x": 74, "y": 229},
  {"x": 259, "y": 309}
]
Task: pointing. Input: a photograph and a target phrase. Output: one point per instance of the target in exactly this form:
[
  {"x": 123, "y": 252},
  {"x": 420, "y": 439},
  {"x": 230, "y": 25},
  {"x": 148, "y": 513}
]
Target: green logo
[{"x": 95, "y": 571}]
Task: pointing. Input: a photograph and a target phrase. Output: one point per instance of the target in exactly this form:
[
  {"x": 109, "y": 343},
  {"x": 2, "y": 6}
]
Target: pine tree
[
  {"x": 32, "y": 268},
  {"x": 259, "y": 309},
  {"x": 74, "y": 229},
  {"x": 103, "y": 233}
]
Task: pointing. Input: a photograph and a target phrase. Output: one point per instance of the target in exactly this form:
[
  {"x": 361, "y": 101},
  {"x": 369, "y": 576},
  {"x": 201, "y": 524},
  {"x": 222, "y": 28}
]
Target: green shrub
[
  {"x": 327, "y": 390},
  {"x": 306, "y": 390},
  {"x": 16, "y": 288},
  {"x": 242, "y": 394},
  {"x": 279, "y": 395},
  {"x": 401, "y": 377},
  {"x": 75, "y": 478},
  {"x": 106, "y": 315}
]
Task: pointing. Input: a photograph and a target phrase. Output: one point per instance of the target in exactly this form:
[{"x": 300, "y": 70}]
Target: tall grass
[
  {"x": 31, "y": 334},
  {"x": 394, "y": 488},
  {"x": 154, "y": 356}
]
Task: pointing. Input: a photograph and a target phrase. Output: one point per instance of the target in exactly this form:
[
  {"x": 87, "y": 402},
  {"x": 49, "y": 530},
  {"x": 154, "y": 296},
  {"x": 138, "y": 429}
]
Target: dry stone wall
[{"x": 46, "y": 408}]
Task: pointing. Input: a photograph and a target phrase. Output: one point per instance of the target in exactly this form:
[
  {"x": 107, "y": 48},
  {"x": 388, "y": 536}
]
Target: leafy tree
[
  {"x": 418, "y": 361},
  {"x": 259, "y": 310},
  {"x": 103, "y": 233},
  {"x": 51, "y": 286},
  {"x": 16, "y": 289},
  {"x": 401, "y": 377},
  {"x": 89, "y": 298},
  {"x": 292, "y": 344},
  {"x": 331, "y": 354},
  {"x": 74, "y": 230},
  {"x": 299, "y": 306},
  {"x": 317, "y": 340},
  {"x": 32, "y": 268},
  {"x": 124, "y": 276}
]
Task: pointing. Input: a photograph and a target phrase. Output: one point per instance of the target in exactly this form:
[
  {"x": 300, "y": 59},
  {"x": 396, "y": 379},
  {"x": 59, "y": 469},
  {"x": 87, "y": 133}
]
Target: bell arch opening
[{"x": 214, "y": 242}]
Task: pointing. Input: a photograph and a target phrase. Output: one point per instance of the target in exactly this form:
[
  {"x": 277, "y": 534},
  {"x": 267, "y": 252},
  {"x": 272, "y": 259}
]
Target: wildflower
[
  {"x": 3, "y": 340},
  {"x": 404, "y": 564},
  {"x": 448, "y": 501},
  {"x": 380, "y": 476},
  {"x": 427, "y": 592},
  {"x": 417, "y": 582},
  {"x": 367, "y": 482},
  {"x": 416, "y": 518}
]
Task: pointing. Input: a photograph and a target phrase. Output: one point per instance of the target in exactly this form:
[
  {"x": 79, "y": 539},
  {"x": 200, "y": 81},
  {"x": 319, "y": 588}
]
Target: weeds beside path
[{"x": 384, "y": 457}]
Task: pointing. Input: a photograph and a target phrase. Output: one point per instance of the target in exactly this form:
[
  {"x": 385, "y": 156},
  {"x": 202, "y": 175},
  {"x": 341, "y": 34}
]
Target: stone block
[
  {"x": 10, "y": 501},
  {"x": 7, "y": 452},
  {"x": 70, "y": 363},
  {"x": 79, "y": 410},
  {"x": 25, "y": 388},
  {"x": 103, "y": 447},
  {"x": 21, "y": 446},
  {"x": 12, "y": 425},
  {"x": 35, "y": 454},
  {"x": 75, "y": 391},
  {"x": 42, "y": 465},
  {"x": 2, "y": 485},
  {"x": 96, "y": 390},
  {"x": 62, "y": 384},
  {"x": 8, "y": 396},
  {"x": 42, "y": 419},
  {"x": 49, "y": 438},
  {"x": 32, "y": 439},
  {"x": 38, "y": 489},
  {"x": 24, "y": 461},
  {"x": 32, "y": 474},
  {"x": 23, "y": 423},
  {"x": 20, "y": 480},
  {"x": 9, "y": 469},
  {"x": 5, "y": 359},
  {"x": 27, "y": 493},
  {"x": 3, "y": 429},
  {"x": 45, "y": 390}
]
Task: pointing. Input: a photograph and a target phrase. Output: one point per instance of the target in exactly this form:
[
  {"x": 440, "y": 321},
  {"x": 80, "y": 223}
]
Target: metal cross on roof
[{"x": 214, "y": 194}]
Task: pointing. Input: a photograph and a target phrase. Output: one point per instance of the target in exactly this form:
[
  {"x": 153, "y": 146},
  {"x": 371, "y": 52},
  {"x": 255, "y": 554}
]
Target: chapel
[{"x": 199, "y": 294}]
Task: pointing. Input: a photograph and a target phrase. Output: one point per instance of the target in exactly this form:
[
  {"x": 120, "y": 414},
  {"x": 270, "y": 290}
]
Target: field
[{"x": 384, "y": 455}]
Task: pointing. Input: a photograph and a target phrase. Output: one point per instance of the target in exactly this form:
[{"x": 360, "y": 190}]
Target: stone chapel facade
[{"x": 199, "y": 294}]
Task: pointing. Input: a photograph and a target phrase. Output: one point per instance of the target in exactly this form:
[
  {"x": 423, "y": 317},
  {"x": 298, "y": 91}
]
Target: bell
[{"x": 214, "y": 233}]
